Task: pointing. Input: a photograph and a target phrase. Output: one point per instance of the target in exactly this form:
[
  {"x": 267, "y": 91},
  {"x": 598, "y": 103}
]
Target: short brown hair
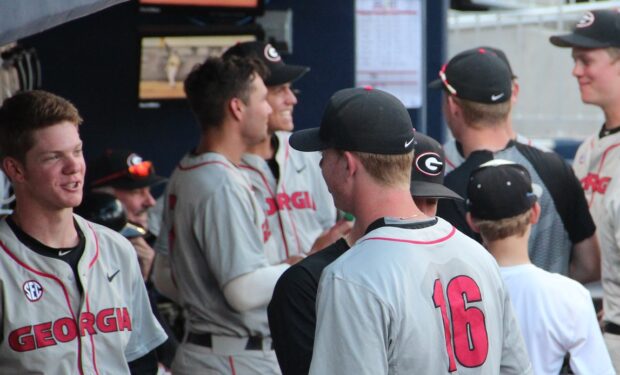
[
  {"x": 387, "y": 170},
  {"x": 21, "y": 115},
  {"x": 614, "y": 53},
  {"x": 477, "y": 114},
  {"x": 212, "y": 84},
  {"x": 493, "y": 230}
]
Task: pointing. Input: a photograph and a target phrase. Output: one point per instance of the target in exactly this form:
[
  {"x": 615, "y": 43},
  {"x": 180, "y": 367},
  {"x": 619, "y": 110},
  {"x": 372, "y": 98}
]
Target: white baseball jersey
[
  {"x": 216, "y": 232},
  {"x": 454, "y": 157},
  {"x": 49, "y": 327},
  {"x": 597, "y": 165},
  {"x": 556, "y": 317},
  {"x": 298, "y": 205},
  {"x": 428, "y": 300}
]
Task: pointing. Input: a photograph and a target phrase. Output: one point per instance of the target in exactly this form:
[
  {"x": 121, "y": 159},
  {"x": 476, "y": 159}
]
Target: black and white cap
[
  {"x": 499, "y": 189},
  {"x": 428, "y": 170},
  {"x": 595, "y": 29}
]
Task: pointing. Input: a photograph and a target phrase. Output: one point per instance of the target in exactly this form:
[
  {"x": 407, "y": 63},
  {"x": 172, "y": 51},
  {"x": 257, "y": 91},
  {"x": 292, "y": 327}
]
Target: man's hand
[
  {"x": 333, "y": 234},
  {"x": 146, "y": 255}
]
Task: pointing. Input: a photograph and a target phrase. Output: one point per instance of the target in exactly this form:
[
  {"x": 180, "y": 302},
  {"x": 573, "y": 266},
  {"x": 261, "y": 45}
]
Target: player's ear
[
  {"x": 352, "y": 163},
  {"x": 535, "y": 213},
  {"x": 13, "y": 169},
  {"x": 236, "y": 108},
  {"x": 470, "y": 222}
]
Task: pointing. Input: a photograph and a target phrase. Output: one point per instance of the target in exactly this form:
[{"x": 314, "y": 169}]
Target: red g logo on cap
[
  {"x": 586, "y": 20},
  {"x": 429, "y": 163}
]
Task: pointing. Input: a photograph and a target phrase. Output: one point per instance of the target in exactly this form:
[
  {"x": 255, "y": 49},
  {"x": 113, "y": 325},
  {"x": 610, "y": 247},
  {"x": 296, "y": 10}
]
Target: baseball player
[
  {"x": 291, "y": 312},
  {"x": 413, "y": 295},
  {"x": 286, "y": 182},
  {"x": 555, "y": 313},
  {"x": 595, "y": 43},
  {"x": 216, "y": 231},
  {"x": 454, "y": 149},
  {"x": 72, "y": 299},
  {"x": 477, "y": 86}
]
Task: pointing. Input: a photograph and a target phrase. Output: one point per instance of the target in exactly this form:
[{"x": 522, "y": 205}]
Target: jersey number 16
[{"x": 468, "y": 340}]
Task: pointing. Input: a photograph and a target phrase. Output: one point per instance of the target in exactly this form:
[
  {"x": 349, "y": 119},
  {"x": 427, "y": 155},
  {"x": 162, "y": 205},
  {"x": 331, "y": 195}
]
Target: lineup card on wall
[{"x": 388, "y": 45}]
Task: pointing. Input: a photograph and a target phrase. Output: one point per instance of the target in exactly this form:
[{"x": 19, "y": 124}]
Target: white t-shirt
[{"x": 556, "y": 316}]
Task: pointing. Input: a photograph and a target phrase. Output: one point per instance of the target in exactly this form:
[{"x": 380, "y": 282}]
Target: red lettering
[
  {"x": 43, "y": 335},
  {"x": 266, "y": 231},
  {"x": 106, "y": 322},
  {"x": 298, "y": 200},
  {"x": 123, "y": 318},
  {"x": 595, "y": 183},
  {"x": 272, "y": 208},
  {"x": 21, "y": 340},
  {"x": 65, "y": 329},
  {"x": 283, "y": 201},
  {"x": 87, "y": 322}
]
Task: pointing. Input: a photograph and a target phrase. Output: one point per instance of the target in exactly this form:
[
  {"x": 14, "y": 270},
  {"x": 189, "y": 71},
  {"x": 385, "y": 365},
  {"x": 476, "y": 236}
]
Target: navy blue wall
[{"x": 93, "y": 62}]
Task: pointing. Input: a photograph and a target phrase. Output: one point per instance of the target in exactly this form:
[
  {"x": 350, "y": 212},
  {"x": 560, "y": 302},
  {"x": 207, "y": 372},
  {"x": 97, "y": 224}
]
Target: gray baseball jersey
[
  {"x": 298, "y": 205},
  {"x": 454, "y": 157},
  {"x": 217, "y": 232},
  {"x": 428, "y": 300},
  {"x": 49, "y": 327},
  {"x": 597, "y": 165}
]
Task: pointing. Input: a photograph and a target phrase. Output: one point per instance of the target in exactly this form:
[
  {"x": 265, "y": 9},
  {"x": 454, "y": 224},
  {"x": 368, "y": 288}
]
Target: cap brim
[
  {"x": 436, "y": 84},
  {"x": 286, "y": 73},
  {"x": 307, "y": 140},
  {"x": 424, "y": 189},
  {"x": 575, "y": 40},
  {"x": 129, "y": 184}
]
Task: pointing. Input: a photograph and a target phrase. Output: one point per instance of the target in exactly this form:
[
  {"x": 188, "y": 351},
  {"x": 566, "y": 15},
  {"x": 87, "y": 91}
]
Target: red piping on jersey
[
  {"x": 600, "y": 167},
  {"x": 299, "y": 249},
  {"x": 273, "y": 196},
  {"x": 183, "y": 168},
  {"x": 232, "y": 365},
  {"x": 92, "y": 262},
  {"x": 92, "y": 339},
  {"x": 449, "y": 162},
  {"x": 64, "y": 290},
  {"x": 442, "y": 239}
]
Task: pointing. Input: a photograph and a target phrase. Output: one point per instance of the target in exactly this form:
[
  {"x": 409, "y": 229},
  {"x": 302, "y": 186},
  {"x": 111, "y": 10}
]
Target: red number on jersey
[{"x": 471, "y": 342}]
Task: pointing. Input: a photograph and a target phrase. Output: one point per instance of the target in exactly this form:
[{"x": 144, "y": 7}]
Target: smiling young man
[
  {"x": 286, "y": 182},
  {"x": 595, "y": 43},
  {"x": 72, "y": 298}
]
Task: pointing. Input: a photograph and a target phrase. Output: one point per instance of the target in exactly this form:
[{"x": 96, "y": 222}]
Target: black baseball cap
[
  {"x": 478, "y": 75},
  {"x": 595, "y": 29},
  {"x": 363, "y": 120},
  {"x": 279, "y": 72},
  {"x": 121, "y": 169},
  {"x": 499, "y": 189},
  {"x": 502, "y": 56},
  {"x": 428, "y": 170}
]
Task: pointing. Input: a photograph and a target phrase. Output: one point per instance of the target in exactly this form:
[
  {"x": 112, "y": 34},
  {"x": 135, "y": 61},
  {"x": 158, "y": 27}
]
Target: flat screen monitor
[{"x": 167, "y": 58}]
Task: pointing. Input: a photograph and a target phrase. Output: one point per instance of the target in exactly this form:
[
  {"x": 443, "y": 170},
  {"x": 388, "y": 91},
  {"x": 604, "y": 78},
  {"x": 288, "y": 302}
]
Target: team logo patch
[
  {"x": 33, "y": 290},
  {"x": 272, "y": 54},
  {"x": 134, "y": 159},
  {"x": 429, "y": 163},
  {"x": 586, "y": 20}
]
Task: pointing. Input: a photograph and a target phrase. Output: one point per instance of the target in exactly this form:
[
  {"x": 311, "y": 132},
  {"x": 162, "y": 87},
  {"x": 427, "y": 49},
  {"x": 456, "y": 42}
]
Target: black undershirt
[
  {"x": 271, "y": 162},
  {"x": 70, "y": 255},
  {"x": 605, "y": 132}
]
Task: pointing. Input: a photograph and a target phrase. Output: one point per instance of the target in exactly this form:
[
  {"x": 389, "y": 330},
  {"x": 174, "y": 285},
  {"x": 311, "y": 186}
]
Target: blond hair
[
  {"x": 493, "y": 230},
  {"x": 387, "y": 170},
  {"x": 478, "y": 114}
]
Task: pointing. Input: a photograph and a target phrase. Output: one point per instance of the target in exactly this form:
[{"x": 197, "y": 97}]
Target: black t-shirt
[{"x": 292, "y": 317}]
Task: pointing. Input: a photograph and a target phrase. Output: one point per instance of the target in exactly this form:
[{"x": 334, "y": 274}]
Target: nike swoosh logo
[
  {"x": 301, "y": 169},
  {"x": 409, "y": 142},
  {"x": 63, "y": 253},
  {"x": 497, "y": 97},
  {"x": 111, "y": 277}
]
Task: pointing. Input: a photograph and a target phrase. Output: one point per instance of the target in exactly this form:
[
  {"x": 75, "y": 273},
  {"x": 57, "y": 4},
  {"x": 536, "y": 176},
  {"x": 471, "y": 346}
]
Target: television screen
[
  {"x": 203, "y": 7},
  {"x": 166, "y": 60}
]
